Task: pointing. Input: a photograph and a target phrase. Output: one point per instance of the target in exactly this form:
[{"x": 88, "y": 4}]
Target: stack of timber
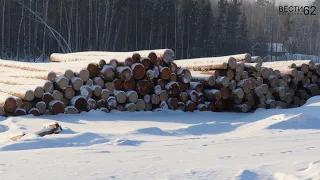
[
  {"x": 153, "y": 81},
  {"x": 236, "y": 83}
]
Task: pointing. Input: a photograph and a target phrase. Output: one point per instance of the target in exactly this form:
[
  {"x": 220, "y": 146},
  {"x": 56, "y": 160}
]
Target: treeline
[
  {"x": 192, "y": 28},
  {"x": 32, "y": 29}
]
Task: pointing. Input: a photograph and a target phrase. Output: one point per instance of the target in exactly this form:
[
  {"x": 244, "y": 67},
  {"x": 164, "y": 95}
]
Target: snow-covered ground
[{"x": 267, "y": 144}]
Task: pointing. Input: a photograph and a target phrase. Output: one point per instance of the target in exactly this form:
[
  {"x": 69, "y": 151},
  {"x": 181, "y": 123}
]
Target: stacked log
[{"x": 153, "y": 81}]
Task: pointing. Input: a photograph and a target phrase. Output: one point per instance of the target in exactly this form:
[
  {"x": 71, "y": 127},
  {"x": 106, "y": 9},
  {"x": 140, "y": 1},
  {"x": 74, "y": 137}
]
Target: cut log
[
  {"x": 225, "y": 92},
  {"x": 20, "y": 112},
  {"x": 221, "y": 105},
  {"x": 241, "y": 108},
  {"x": 56, "y": 107},
  {"x": 140, "y": 105},
  {"x": 155, "y": 99},
  {"x": 121, "y": 96},
  {"x": 70, "y": 110},
  {"x": 8, "y": 102},
  {"x": 101, "y": 104},
  {"x": 69, "y": 93},
  {"x": 104, "y": 94},
  {"x": 232, "y": 84},
  {"x": 124, "y": 72},
  {"x": 212, "y": 94},
  {"x": 138, "y": 70},
  {"x": 47, "y": 98},
  {"x": 256, "y": 59},
  {"x": 165, "y": 72},
  {"x": 271, "y": 103},
  {"x": 86, "y": 91},
  {"x": 117, "y": 84},
  {"x": 114, "y": 63},
  {"x": 197, "y": 86},
  {"x": 146, "y": 62},
  {"x": 136, "y": 57},
  {"x": 193, "y": 95},
  {"x": 128, "y": 62},
  {"x": 190, "y": 106},
  {"x": 222, "y": 81},
  {"x": 80, "y": 103},
  {"x": 61, "y": 82},
  {"x": 202, "y": 107},
  {"x": 244, "y": 75},
  {"x": 110, "y": 87},
  {"x": 41, "y": 106},
  {"x": 107, "y": 73},
  {"x": 238, "y": 93},
  {"x": 161, "y": 82},
  {"x": 183, "y": 97},
  {"x": 252, "y": 67},
  {"x": 147, "y": 98},
  {"x": 164, "y": 96},
  {"x": 34, "y": 112},
  {"x": 265, "y": 72},
  {"x": 26, "y": 105},
  {"x": 92, "y": 104},
  {"x": 76, "y": 83},
  {"x": 157, "y": 89},
  {"x": 129, "y": 85},
  {"x": 132, "y": 96},
  {"x": 150, "y": 74},
  {"x": 131, "y": 107},
  {"x": 112, "y": 102},
  {"x": 148, "y": 106},
  {"x": 172, "y": 89},
  {"x": 98, "y": 81},
  {"x": 173, "y": 77},
  {"x": 201, "y": 98},
  {"x": 143, "y": 87},
  {"x": 181, "y": 106},
  {"x": 89, "y": 82},
  {"x": 96, "y": 91},
  {"x": 210, "y": 106},
  {"x": 206, "y": 80}
]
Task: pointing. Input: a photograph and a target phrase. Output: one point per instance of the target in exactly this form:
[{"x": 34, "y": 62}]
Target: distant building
[
  {"x": 270, "y": 51},
  {"x": 277, "y": 52}
]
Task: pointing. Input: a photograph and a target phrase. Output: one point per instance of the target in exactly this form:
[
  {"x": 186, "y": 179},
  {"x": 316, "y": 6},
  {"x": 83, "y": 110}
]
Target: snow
[{"x": 267, "y": 144}]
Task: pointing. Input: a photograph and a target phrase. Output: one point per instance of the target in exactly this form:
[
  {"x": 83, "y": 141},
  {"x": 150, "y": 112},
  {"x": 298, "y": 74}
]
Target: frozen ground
[{"x": 267, "y": 144}]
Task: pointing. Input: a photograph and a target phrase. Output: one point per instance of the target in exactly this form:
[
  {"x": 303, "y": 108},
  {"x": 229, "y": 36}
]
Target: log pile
[
  {"x": 153, "y": 81},
  {"x": 235, "y": 83}
]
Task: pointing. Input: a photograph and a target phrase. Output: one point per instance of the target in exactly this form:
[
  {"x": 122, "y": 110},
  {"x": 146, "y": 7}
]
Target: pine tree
[{"x": 244, "y": 42}]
